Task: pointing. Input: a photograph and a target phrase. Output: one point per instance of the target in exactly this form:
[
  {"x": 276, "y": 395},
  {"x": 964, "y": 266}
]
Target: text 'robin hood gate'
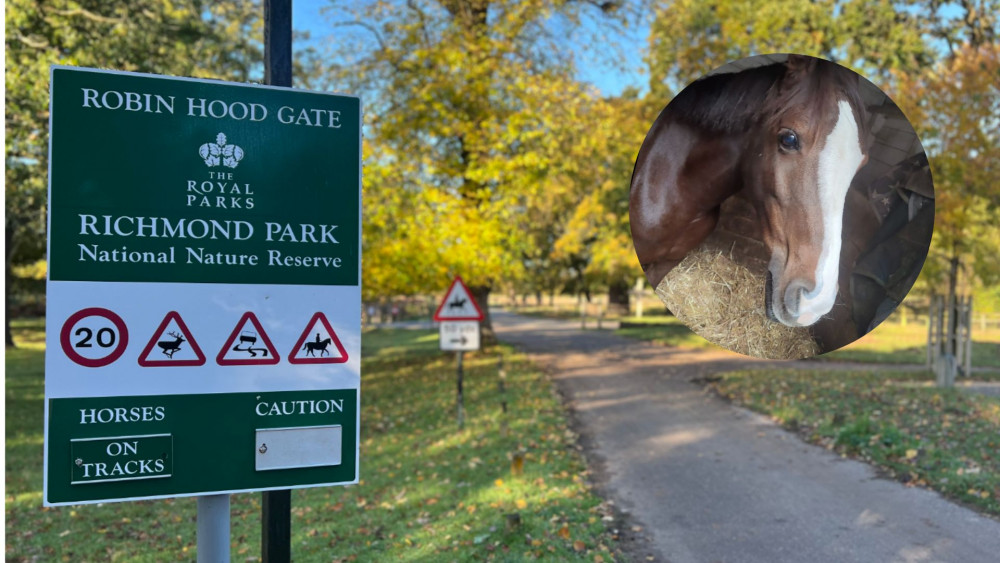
[{"x": 204, "y": 295}]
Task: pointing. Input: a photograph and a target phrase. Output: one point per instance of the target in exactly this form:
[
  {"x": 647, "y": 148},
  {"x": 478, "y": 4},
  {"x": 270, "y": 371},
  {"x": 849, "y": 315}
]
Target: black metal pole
[
  {"x": 276, "y": 506},
  {"x": 461, "y": 399},
  {"x": 278, "y": 42}
]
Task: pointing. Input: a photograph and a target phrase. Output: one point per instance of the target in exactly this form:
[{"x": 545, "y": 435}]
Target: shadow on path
[{"x": 712, "y": 482}]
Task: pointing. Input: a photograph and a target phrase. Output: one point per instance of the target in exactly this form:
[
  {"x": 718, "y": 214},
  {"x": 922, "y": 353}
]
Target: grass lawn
[
  {"x": 898, "y": 344},
  {"x": 946, "y": 440},
  {"x": 889, "y": 343},
  {"x": 428, "y": 491},
  {"x": 665, "y": 330}
]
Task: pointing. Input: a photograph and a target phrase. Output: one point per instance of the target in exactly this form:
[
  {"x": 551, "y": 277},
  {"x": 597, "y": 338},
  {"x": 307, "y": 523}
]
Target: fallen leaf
[
  {"x": 564, "y": 532},
  {"x": 579, "y": 545},
  {"x": 910, "y": 454}
]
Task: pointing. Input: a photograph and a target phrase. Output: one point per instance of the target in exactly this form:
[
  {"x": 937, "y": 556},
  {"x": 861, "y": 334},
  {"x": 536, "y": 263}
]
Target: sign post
[
  {"x": 459, "y": 315},
  {"x": 276, "y": 506},
  {"x": 202, "y": 236}
]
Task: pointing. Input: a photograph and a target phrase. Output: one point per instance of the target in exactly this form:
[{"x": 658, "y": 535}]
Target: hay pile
[{"x": 723, "y": 301}]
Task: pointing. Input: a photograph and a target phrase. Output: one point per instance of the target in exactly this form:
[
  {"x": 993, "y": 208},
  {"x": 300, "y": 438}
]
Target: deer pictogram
[{"x": 171, "y": 347}]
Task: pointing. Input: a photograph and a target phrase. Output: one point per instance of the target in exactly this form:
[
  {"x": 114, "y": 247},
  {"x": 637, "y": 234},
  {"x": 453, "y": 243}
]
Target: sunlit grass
[
  {"x": 907, "y": 344},
  {"x": 944, "y": 439}
]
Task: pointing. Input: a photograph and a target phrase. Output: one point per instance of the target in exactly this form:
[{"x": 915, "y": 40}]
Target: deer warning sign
[
  {"x": 458, "y": 304},
  {"x": 248, "y": 345},
  {"x": 318, "y": 344},
  {"x": 172, "y": 344},
  {"x": 182, "y": 321}
]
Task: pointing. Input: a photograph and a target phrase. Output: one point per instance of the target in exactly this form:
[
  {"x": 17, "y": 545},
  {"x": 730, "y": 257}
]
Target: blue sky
[{"x": 624, "y": 68}]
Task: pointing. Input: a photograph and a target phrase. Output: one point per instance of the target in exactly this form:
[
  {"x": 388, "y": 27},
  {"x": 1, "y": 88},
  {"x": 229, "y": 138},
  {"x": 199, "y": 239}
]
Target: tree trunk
[
  {"x": 951, "y": 339},
  {"x": 618, "y": 297},
  {"x": 8, "y": 278},
  {"x": 481, "y": 293}
]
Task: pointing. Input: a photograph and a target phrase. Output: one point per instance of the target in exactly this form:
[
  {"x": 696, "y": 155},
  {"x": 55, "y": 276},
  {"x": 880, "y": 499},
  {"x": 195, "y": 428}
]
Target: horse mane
[
  {"x": 803, "y": 83},
  {"x": 726, "y": 103},
  {"x": 734, "y": 102}
]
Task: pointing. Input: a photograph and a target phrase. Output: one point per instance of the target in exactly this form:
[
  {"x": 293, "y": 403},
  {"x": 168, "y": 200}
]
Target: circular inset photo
[{"x": 782, "y": 206}]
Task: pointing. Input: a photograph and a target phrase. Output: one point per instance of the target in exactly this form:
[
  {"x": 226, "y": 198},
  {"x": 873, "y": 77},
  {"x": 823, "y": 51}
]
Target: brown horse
[{"x": 791, "y": 136}]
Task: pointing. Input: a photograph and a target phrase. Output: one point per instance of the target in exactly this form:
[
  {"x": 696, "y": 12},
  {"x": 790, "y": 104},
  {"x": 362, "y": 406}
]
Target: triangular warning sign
[
  {"x": 458, "y": 304},
  {"x": 248, "y": 345},
  {"x": 318, "y": 344},
  {"x": 172, "y": 344}
]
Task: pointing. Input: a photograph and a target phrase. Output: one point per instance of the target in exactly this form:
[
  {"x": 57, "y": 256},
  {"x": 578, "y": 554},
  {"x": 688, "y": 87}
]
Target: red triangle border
[
  {"x": 221, "y": 357},
  {"x": 144, "y": 360},
  {"x": 437, "y": 314},
  {"x": 292, "y": 359}
]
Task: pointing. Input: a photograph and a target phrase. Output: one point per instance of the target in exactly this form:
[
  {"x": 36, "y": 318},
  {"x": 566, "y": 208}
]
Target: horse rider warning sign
[
  {"x": 318, "y": 344},
  {"x": 458, "y": 304}
]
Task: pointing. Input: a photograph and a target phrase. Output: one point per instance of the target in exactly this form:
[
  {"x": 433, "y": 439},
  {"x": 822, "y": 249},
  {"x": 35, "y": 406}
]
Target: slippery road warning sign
[
  {"x": 172, "y": 344},
  {"x": 458, "y": 304},
  {"x": 159, "y": 381},
  {"x": 248, "y": 345},
  {"x": 318, "y": 344}
]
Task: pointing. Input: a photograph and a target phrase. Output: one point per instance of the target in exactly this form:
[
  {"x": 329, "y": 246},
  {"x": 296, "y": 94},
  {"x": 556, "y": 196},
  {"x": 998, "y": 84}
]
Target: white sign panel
[{"x": 459, "y": 336}]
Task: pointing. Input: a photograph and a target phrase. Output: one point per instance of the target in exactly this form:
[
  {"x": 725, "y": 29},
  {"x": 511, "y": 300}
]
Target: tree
[
  {"x": 596, "y": 239},
  {"x": 688, "y": 38},
  {"x": 955, "y": 107},
  {"x": 475, "y": 128},
  {"x": 180, "y": 37}
]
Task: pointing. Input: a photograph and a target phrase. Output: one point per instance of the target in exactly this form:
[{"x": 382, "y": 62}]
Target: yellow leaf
[
  {"x": 498, "y": 482},
  {"x": 521, "y": 503},
  {"x": 910, "y": 454},
  {"x": 564, "y": 532}
]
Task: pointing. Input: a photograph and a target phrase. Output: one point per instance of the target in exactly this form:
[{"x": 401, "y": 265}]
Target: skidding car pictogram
[{"x": 249, "y": 338}]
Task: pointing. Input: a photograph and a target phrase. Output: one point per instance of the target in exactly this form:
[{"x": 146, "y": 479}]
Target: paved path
[{"x": 709, "y": 482}]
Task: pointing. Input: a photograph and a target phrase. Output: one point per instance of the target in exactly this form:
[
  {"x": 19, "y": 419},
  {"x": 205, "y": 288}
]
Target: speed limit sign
[{"x": 94, "y": 337}]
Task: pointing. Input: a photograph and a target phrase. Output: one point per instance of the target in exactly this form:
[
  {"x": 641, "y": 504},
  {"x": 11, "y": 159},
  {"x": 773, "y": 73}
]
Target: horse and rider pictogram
[
  {"x": 458, "y": 304},
  {"x": 318, "y": 349}
]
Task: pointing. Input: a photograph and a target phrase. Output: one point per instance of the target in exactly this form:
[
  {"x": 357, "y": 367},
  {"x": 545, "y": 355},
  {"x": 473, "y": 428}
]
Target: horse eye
[{"x": 788, "y": 140}]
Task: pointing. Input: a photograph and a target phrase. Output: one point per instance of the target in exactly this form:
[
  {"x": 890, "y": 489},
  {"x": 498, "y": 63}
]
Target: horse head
[{"x": 799, "y": 163}]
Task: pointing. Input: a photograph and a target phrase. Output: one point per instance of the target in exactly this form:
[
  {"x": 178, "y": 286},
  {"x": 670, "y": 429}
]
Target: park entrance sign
[{"x": 204, "y": 304}]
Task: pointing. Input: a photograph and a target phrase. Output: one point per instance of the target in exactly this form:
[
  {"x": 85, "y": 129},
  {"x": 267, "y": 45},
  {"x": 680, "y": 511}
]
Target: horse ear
[{"x": 800, "y": 64}]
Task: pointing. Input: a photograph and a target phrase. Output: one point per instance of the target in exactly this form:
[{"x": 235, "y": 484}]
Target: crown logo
[{"x": 220, "y": 152}]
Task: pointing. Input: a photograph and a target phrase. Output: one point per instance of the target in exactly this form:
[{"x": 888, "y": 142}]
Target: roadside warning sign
[
  {"x": 248, "y": 345},
  {"x": 318, "y": 344},
  {"x": 172, "y": 344},
  {"x": 94, "y": 337},
  {"x": 458, "y": 304}
]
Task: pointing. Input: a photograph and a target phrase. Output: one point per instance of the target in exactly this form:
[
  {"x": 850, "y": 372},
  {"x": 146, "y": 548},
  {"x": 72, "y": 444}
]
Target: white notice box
[
  {"x": 290, "y": 448},
  {"x": 459, "y": 335}
]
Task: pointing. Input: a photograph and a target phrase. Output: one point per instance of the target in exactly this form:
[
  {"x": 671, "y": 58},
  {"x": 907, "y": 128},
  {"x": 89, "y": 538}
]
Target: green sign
[
  {"x": 122, "y": 458},
  {"x": 196, "y": 181},
  {"x": 203, "y": 300}
]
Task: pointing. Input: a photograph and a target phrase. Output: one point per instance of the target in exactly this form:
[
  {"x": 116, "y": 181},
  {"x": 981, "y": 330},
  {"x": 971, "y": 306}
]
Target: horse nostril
[
  {"x": 793, "y": 296},
  {"x": 769, "y": 297}
]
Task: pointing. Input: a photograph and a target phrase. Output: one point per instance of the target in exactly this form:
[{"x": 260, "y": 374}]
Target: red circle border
[{"x": 100, "y": 312}]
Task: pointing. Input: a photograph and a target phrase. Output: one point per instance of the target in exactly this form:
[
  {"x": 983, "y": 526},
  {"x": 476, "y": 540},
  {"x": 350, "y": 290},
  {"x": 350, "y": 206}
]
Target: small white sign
[
  {"x": 290, "y": 448},
  {"x": 459, "y": 336}
]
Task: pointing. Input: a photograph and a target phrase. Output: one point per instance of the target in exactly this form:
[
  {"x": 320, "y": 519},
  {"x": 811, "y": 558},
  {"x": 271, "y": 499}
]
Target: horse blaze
[{"x": 286, "y": 232}]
